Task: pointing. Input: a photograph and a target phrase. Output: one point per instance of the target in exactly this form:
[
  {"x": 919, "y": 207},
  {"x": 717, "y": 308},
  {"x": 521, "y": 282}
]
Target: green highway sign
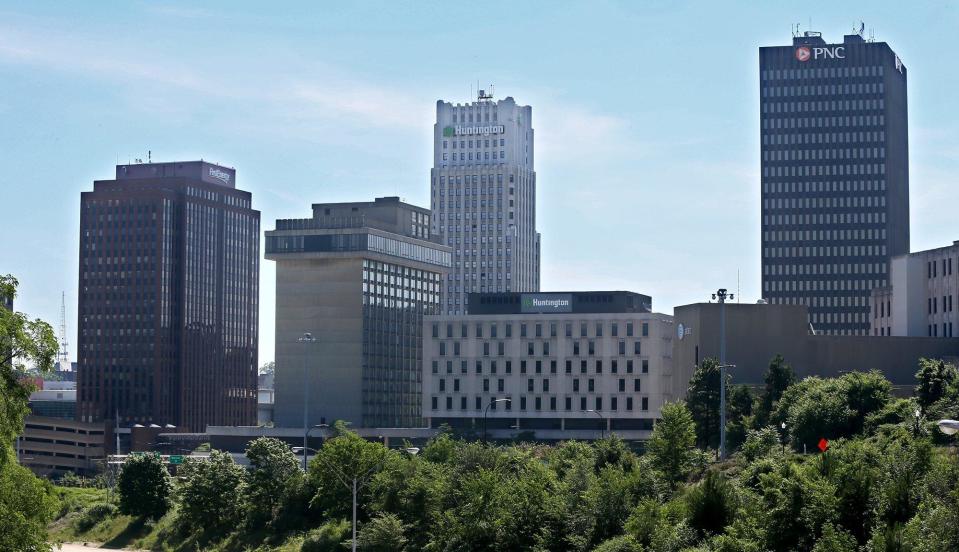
[{"x": 176, "y": 459}]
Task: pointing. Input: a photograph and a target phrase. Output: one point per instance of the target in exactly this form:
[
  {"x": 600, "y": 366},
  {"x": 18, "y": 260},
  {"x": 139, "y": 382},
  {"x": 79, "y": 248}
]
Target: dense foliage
[
  {"x": 884, "y": 484},
  {"x": 27, "y": 347},
  {"x": 144, "y": 486}
]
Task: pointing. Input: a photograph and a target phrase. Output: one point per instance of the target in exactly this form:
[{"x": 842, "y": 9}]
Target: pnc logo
[
  {"x": 805, "y": 53},
  {"x": 448, "y": 131}
]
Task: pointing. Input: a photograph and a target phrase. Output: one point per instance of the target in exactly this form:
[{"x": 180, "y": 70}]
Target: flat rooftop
[{"x": 555, "y": 302}]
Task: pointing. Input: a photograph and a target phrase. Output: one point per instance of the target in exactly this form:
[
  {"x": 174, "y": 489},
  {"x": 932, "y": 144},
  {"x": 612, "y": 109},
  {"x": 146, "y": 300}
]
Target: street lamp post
[
  {"x": 356, "y": 482},
  {"x": 306, "y": 340},
  {"x": 486, "y": 410},
  {"x": 722, "y": 295},
  {"x": 784, "y": 437},
  {"x": 602, "y": 428}
]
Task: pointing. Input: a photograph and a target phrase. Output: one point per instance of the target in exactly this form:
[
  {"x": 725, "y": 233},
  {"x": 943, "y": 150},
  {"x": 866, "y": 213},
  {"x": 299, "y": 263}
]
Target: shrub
[
  {"x": 622, "y": 543},
  {"x": 94, "y": 515},
  {"x": 329, "y": 537}
]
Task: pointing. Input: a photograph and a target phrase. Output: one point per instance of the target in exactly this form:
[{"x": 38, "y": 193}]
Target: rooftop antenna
[
  {"x": 149, "y": 156},
  {"x": 63, "y": 355}
]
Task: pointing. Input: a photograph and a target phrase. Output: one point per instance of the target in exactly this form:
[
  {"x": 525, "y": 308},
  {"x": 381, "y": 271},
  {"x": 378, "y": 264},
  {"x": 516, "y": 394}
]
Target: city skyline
[{"x": 683, "y": 152}]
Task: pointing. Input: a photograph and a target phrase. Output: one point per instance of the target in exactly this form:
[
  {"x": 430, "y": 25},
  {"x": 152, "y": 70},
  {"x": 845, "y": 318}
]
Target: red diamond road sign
[{"x": 823, "y": 444}]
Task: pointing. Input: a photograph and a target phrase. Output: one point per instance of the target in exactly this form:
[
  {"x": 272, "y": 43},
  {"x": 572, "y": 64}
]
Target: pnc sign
[{"x": 805, "y": 53}]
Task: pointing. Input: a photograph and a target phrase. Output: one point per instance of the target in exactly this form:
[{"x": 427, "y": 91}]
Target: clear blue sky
[{"x": 646, "y": 120}]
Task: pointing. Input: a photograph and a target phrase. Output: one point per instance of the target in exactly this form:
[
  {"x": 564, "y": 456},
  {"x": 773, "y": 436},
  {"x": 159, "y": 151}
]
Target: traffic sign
[
  {"x": 176, "y": 459},
  {"x": 823, "y": 444}
]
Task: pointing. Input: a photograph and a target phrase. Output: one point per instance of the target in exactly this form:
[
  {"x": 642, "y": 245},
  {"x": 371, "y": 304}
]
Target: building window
[
  {"x": 613, "y": 368},
  {"x": 591, "y": 385},
  {"x": 569, "y": 366},
  {"x": 522, "y": 402},
  {"x": 539, "y": 366},
  {"x": 645, "y": 366},
  {"x": 637, "y": 349},
  {"x": 434, "y": 403},
  {"x": 545, "y": 386},
  {"x": 529, "y": 385},
  {"x": 599, "y": 404},
  {"x": 612, "y": 403},
  {"x": 629, "y": 329},
  {"x": 592, "y": 348},
  {"x": 569, "y": 403},
  {"x": 522, "y": 367},
  {"x": 614, "y": 329},
  {"x": 436, "y": 367},
  {"x": 637, "y": 386},
  {"x": 575, "y": 385},
  {"x": 629, "y": 403},
  {"x": 645, "y": 405},
  {"x": 599, "y": 366},
  {"x": 582, "y": 367},
  {"x": 645, "y": 329}
]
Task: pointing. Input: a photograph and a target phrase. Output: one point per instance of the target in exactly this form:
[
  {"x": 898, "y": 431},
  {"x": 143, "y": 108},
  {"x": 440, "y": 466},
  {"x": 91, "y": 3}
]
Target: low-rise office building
[
  {"x": 561, "y": 365},
  {"x": 755, "y": 333},
  {"x": 919, "y": 300}
]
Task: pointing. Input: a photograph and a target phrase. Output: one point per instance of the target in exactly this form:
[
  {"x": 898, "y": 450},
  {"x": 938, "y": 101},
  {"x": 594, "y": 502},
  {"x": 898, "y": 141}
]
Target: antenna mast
[{"x": 63, "y": 355}]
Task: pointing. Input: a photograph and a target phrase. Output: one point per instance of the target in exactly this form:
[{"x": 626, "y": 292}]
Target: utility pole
[
  {"x": 306, "y": 340},
  {"x": 721, "y": 295}
]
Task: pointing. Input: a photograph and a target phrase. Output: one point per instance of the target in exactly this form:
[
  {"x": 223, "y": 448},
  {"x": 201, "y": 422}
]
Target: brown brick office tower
[{"x": 168, "y": 298}]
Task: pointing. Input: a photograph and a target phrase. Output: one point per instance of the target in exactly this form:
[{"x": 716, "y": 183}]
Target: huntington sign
[
  {"x": 546, "y": 302},
  {"x": 473, "y": 130}
]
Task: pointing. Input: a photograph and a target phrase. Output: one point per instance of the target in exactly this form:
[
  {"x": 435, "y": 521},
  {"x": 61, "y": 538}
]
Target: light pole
[
  {"x": 722, "y": 295},
  {"x": 306, "y": 340},
  {"x": 784, "y": 437},
  {"x": 486, "y": 410},
  {"x": 356, "y": 482},
  {"x": 602, "y": 428}
]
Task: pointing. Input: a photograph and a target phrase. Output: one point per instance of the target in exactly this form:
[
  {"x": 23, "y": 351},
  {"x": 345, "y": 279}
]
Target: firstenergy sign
[
  {"x": 805, "y": 53},
  {"x": 543, "y": 302},
  {"x": 473, "y": 130}
]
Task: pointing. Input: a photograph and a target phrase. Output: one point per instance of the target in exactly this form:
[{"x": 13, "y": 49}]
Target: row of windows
[
  {"x": 820, "y": 90},
  {"x": 812, "y": 138},
  {"x": 824, "y": 202},
  {"x": 826, "y": 270},
  {"x": 837, "y": 283},
  {"x": 932, "y": 268},
  {"x": 829, "y": 251},
  {"x": 463, "y": 144},
  {"x": 807, "y": 73},
  {"x": 492, "y": 366},
  {"x": 537, "y": 403},
  {"x": 824, "y": 170},
  {"x": 822, "y": 106},
  {"x": 469, "y": 156},
  {"x": 539, "y": 329},
  {"x": 946, "y": 330},
  {"x": 544, "y": 348},
  {"x": 544, "y": 385},
  {"x": 789, "y": 155},
  {"x": 932, "y": 304}
]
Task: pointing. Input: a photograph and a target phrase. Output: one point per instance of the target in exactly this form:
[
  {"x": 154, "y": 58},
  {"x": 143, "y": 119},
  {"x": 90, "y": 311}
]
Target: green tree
[
  {"x": 712, "y": 504},
  {"x": 671, "y": 444},
  {"x": 23, "y": 343},
  {"x": 267, "y": 368},
  {"x": 209, "y": 493},
  {"x": 384, "y": 533},
  {"x": 739, "y": 416},
  {"x": 329, "y": 537},
  {"x": 702, "y": 399},
  {"x": 26, "y": 503},
  {"x": 273, "y": 467},
  {"x": 779, "y": 377},
  {"x": 936, "y": 380},
  {"x": 144, "y": 486},
  {"x": 834, "y": 539},
  {"x": 333, "y": 469},
  {"x": 622, "y": 543},
  {"x": 798, "y": 504}
]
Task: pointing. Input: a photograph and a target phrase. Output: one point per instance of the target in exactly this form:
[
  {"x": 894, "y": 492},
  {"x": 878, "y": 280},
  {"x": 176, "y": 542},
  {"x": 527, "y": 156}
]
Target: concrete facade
[
  {"x": 920, "y": 297},
  {"x": 359, "y": 277},
  {"x": 573, "y": 368},
  {"x": 50, "y": 446},
  {"x": 835, "y": 176},
  {"x": 483, "y": 195},
  {"x": 755, "y": 333}
]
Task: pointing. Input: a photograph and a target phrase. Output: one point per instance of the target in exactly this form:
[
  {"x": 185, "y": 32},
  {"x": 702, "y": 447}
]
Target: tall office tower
[
  {"x": 835, "y": 176},
  {"x": 483, "y": 195},
  {"x": 169, "y": 286},
  {"x": 358, "y": 277}
]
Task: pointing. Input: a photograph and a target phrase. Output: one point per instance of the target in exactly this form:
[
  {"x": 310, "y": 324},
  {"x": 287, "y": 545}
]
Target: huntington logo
[
  {"x": 554, "y": 302},
  {"x": 217, "y": 174},
  {"x": 449, "y": 131},
  {"x": 803, "y": 53}
]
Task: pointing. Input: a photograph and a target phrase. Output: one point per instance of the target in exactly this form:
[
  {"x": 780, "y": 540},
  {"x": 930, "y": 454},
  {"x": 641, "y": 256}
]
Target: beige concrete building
[
  {"x": 51, "y": 446},
  {"x": 560, "y": 365},
  {"x": 359, "y": 277},
  {"x": 920, "y": 298}
]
